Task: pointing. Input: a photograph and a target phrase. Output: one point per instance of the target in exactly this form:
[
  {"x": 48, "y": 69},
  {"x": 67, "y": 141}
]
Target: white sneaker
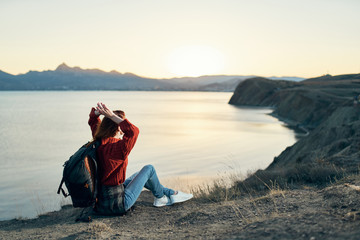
[
  {"x": 180, "y": 197},
  {"x": 163, "y": 201}
]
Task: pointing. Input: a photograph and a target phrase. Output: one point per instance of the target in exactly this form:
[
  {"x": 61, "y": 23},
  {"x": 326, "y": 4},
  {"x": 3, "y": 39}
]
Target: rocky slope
[{"x": 323, "y": 105}]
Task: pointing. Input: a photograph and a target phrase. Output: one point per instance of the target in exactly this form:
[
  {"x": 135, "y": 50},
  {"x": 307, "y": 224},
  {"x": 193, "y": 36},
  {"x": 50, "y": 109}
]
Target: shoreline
[{"x": 299, "y": 129}]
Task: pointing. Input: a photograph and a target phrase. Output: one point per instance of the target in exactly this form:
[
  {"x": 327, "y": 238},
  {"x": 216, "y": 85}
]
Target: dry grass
[
  {"x": 248, "y": 209},
  {"x": 265, "y": 183},
  {"x": 99, "y": 230},
  {"x": 259, "y": 196},
  {"x": 252, "y": 211},
  {"x": 299, "y": 175},
  {"x": 214, "y": 192}
]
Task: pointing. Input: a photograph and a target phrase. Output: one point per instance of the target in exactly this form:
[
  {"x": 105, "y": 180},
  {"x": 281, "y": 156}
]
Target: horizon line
[
  {"x": 175, "y": 77},
  {"x": 158, "y": 78}
]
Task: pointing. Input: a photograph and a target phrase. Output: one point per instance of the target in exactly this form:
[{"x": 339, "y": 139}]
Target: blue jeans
[{"x": 147, "y": 178}]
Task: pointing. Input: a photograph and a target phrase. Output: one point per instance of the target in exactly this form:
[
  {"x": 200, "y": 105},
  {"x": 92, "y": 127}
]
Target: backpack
[{"x": 80, "y": 176}]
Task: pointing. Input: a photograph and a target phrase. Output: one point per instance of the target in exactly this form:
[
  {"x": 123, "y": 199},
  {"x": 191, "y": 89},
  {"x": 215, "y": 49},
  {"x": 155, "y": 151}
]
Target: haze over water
[{"x": 185, "y": 135}]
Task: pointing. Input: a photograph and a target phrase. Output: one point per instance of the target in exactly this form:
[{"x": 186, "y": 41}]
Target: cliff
[{"x": 323, "y": 105}]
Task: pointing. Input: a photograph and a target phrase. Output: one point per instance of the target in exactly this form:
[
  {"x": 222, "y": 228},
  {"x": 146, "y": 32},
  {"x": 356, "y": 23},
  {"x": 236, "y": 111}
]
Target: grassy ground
[{"x": 307, "y": 211}]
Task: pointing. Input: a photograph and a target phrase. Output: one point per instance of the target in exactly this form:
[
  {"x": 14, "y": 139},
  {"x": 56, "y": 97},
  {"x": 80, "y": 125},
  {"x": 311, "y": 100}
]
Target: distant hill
[
  {"x": 328, "y": 77},
  {"x": 67, "y": 78},
  {"x": 76, "y": 78}
]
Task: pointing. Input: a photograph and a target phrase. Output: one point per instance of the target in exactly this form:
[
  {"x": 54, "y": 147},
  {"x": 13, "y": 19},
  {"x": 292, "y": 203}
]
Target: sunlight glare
[{"x": 195, "y": 60}]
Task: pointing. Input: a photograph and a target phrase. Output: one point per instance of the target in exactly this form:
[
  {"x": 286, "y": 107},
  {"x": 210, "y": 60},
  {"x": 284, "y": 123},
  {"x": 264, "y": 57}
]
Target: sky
[{"x": 174, "y": 38}]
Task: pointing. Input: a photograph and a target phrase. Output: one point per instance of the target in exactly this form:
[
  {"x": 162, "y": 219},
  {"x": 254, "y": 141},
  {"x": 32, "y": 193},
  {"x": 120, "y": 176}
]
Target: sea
[{"x": 191, "y": 138}]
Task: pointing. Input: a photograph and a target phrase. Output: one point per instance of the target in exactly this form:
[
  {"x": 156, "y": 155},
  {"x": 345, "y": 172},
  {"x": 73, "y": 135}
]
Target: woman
[{"x": 117, "y": 195}]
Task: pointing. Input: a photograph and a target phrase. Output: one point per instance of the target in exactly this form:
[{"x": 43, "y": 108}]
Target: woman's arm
[
  {"x": 94, "y": 120},
  {"x": 130, "y": 131}
]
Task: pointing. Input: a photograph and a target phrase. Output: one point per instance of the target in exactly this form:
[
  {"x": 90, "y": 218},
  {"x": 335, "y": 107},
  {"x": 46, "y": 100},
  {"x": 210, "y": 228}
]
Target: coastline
[{"x": 300, "y": 130}]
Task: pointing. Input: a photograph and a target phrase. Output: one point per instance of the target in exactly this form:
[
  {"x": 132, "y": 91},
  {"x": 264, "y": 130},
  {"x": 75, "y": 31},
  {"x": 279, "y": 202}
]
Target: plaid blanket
[{"x": 111, "y": 200}]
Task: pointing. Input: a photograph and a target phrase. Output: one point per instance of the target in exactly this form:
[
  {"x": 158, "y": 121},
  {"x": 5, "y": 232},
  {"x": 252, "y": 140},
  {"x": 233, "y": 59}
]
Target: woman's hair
[{"x": 107, "y": 127}]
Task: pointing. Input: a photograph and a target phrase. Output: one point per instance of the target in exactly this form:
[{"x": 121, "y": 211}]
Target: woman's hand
[
  {"x": 97, "y": 113},
  {"x": 104, "y": 110}
]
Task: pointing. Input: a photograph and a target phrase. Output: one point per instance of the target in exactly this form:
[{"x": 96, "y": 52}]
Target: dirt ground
[{"x": 308, "y": 213}]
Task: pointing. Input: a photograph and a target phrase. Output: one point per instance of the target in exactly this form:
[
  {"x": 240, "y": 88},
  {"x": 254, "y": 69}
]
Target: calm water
[{"x": 188, "y": 136}]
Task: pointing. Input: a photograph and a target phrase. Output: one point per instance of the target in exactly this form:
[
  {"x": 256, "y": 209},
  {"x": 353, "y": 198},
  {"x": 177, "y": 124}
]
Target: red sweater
[{"x": 113, "y": 152}]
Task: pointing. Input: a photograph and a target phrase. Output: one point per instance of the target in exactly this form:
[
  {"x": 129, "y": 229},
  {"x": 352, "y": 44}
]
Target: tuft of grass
[
  {"x": 255, "y": 212},
  {"x": 214, "y": 192},
  {"x": 219, "y": 189},
  {"x": 99, "y": 230}
]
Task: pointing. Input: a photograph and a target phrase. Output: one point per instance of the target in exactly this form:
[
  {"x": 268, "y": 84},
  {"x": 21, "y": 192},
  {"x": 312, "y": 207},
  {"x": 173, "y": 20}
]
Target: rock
[{"x": 352, "y": 216}]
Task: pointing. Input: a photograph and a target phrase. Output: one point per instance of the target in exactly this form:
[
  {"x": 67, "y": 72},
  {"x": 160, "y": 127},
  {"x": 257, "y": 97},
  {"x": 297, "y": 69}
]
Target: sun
[{"x": 195, "y": 60}]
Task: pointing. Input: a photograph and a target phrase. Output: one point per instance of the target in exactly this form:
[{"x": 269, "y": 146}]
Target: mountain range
[{"x": 76, "y": 78}]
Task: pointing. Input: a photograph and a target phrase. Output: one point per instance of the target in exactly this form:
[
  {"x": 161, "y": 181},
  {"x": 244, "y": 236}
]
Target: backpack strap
[
  {"x": 61, "y": 189},
  {"x": 96, "y": 144}
]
